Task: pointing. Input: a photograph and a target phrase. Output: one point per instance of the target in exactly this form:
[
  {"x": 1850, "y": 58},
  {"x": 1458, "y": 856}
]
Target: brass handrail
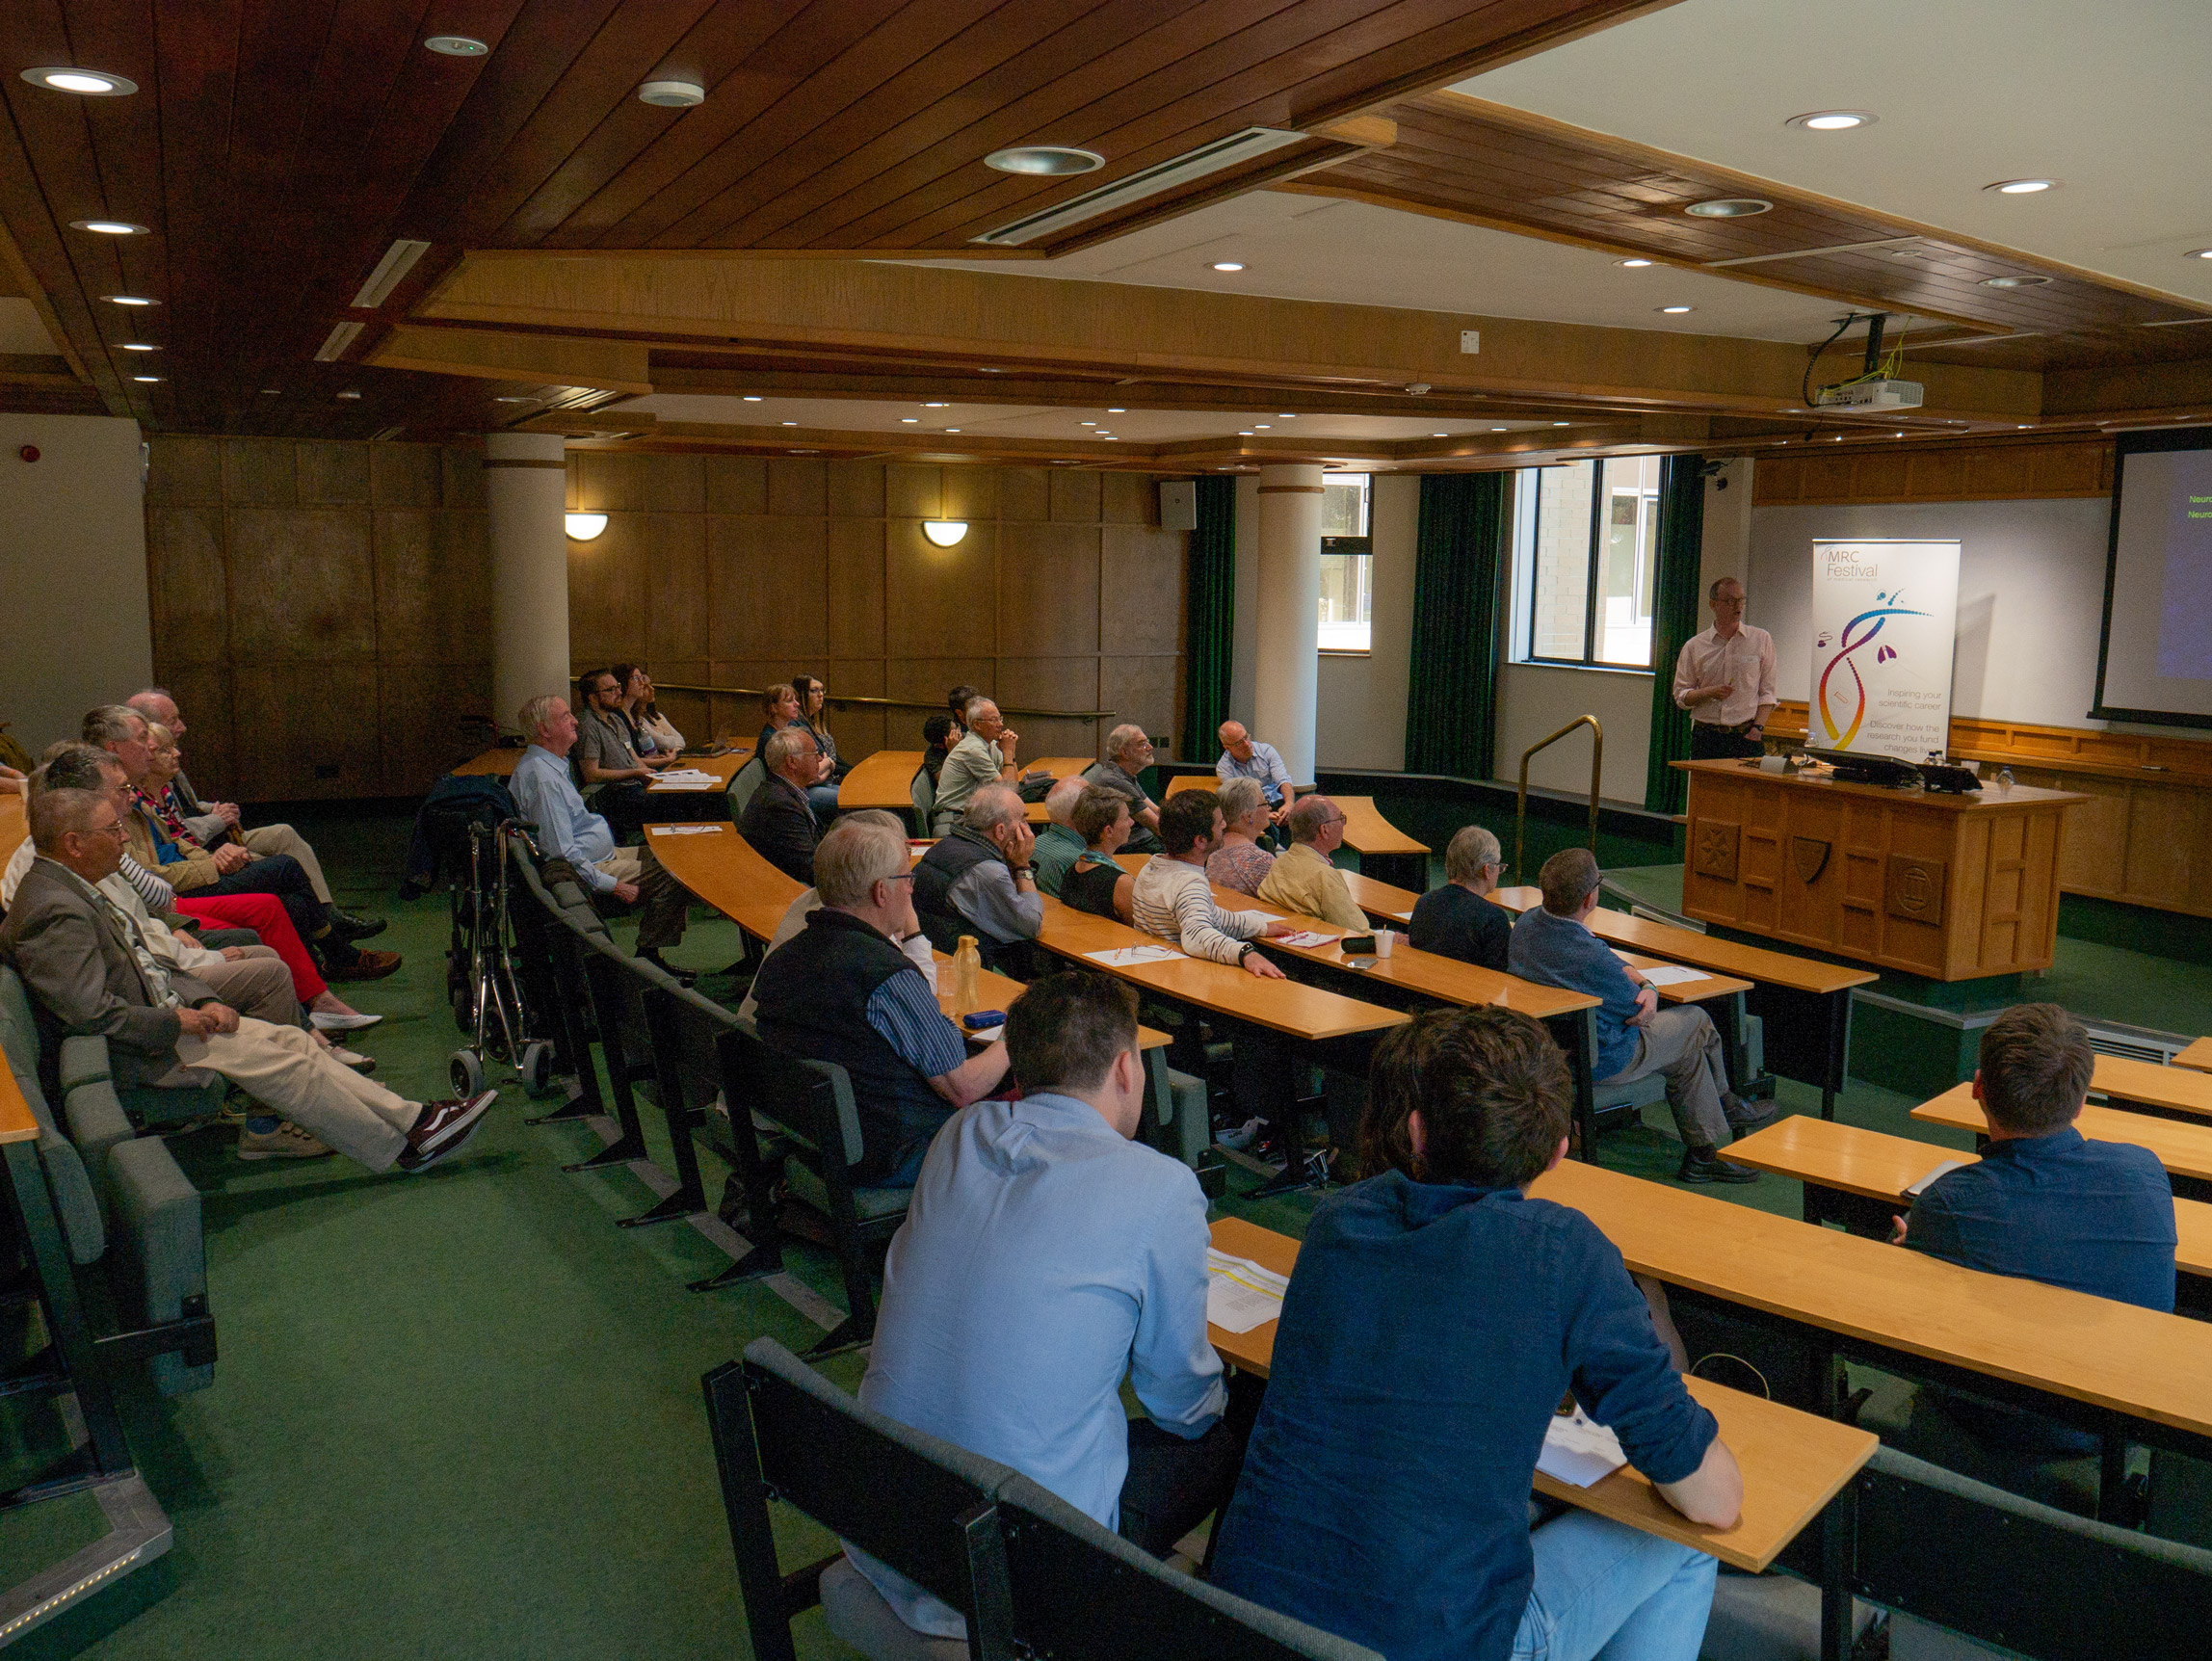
[
  {"x": 837, "y": 701},
  {"x": 1596, "y": 767}
]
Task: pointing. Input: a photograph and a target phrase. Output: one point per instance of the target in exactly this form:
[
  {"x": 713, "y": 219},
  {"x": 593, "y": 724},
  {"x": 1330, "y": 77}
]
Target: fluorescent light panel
[
  {"x": 399, "y": 259},
  {"x": 336, "y": 342},
  {"x": 1225, "y": 152}
]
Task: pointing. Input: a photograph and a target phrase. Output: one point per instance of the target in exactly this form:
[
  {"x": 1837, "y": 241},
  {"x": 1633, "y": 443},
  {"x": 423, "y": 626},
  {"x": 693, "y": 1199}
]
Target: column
[
  {"x": 1287, "y": 673},
  {"x": 526, "y": 489}
]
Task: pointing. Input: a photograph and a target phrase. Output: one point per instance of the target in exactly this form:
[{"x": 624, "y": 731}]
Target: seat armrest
[{"x": 83, "y": 1061}]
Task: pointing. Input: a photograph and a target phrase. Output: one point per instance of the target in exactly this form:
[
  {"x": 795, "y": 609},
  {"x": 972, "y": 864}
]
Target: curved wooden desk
[
  {"x": 2183, "y": 1147},
  {"x": 1365, "y": 829},
  {"x": 499, "y": 762},
  {"x": 886, "y": 780}
]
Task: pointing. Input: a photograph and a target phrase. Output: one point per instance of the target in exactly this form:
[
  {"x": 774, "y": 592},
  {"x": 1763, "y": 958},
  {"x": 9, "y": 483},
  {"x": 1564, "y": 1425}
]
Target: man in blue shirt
[
  {"x": 1046, "y": 1255},
  {"x": 2044, "y": 1203},
  {"x": 1435, "y": 1320},
  {"x": 1552, "y": 943},
  {"x": 546, "y": 796},
  {"x": 1244, "y": 757}
]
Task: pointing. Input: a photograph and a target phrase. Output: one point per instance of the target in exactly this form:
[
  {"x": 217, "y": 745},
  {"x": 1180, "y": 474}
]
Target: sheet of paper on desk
[
  {"x": 1304, "y": 937},
  {"x": 688, "y": 778},
  {"x": 1943, "y": 1167},
  {"x": 687, "y": 829},
  {"x": 1671, "y": 975},
  {"x": 1579, "y": 1451},
  {"x": 1240, "y": 1295},
  {"x": 1126, "y": 957}
]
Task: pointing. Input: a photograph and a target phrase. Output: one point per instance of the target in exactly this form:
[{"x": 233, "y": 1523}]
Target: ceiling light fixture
[
  {"x": 1832, "y": 121},
  {"x": 399, "y": 259},
  {"x": 1226, "y": 151},
  {"x": 2199, "y": 254},
  {"x": 1116, "y": 409},
  {"x": 349, "y": 393},
  {"x": 752, "y": 397},
  {"x": 1086, "y": 423},
  {"x": 1562, "y": 423},
  {"x": 1497, "y": 429},
  {"x": 1729, "y": 207},
  {"x": 457, "y": 45},
  {"x": 1228, "y": 265},
  {"x": 932, "y": 407},
  {"x": 109, "y": 227},
  {"x": 2014, "y": 281},
  {"x": 270, "y": 393},
  {"x": 910, "y": 420},
  {"x": 1048, "y": 160},
  {"x": 671, "y": 94},
  {"x": 790, "y": 423},
  {"x": 86, "y": 83},
  {"x": 512, "y": 398},
  {"x": 1633, "y": 264},
  {"x": 336, "y": 341},
  {"x": 128, "y": 300},
  {"x": 952, "y": 429},
  {"x": 2023, "y": 187},
  {"x": 1244, "y": 435},
  {"x": 1676, "y": 310},
  {"x": 585, "y": 527},
  {"x": 149, "y": 378},
  {"x": 944, "y": 533},
  {"x": 139, "y": 346},
  {"x": 1439, "y": 435}
]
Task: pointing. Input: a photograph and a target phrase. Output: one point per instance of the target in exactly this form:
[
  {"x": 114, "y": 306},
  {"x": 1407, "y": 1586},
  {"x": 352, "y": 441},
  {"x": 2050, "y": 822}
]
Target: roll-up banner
[{"x": 1884, "y": 619}]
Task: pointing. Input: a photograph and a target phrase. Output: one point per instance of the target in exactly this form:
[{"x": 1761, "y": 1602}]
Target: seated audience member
[
  {"x": 1170, "y": 898},
  {"x": 1128, "y": 752},
  {"x": 1456, "y": 920},
  {"x": 1244, "y": 757},
  {"x": 546, "y": 796},
  {"x": 959, "y": 698},
  {"x": 1240, "y": 863},
  {"x": 985, "y": 755},
  {"x": 1301, "y": 879},
  {"x": 939, "y": 733},
  {"x": 268, "y": 934},
  {"x": 1047, "y": 1256},
  {"x": 89, "y": 971},
  {"x": 614, "y": 773},
  {"x": 1058, "y": 846},
  {"x": 159, "y": 844},
  {"x": 780, "y": 820},
  {"x": 780, "y": 704},
  {"x": 1434, "y": 1423},
  {"x": 915, "y": 945},
  {"x": 207, "y": 821},
  {"x": 625, "y": 713},
  {"x": 977, "y": 881},
  {"x": 2044, "y": 1203},
  {"x": 1097, "y": 882},
  {"x": 652, "y": 727},
  {"x": 841, "y": 991},
  {"x": 1552, "y": 943},
  {"x": 814, "y": 714}
]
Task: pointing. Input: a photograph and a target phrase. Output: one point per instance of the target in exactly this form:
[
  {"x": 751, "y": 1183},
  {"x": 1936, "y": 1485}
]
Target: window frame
[
  {"x": 1593, "y": 582},
  {"x": 1359, "y": 547}
]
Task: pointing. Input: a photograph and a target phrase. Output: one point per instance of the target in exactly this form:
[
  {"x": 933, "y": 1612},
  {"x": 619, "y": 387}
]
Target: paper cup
[{"x": 1383, "y": 940}]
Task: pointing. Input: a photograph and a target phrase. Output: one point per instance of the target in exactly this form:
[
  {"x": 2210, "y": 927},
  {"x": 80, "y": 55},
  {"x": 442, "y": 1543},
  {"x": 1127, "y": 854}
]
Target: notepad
[
  {"x": 1127, "y": 956},
  {"x": 1304, "y": 937},
  {"x": 686, "y": 829},
  {"x": 684, "y": 779},
  {"x": 1942, "y": 1168},
  {"x": 1668, "y": 974},
  {"x": 1578, "y": 1450},
  {"x": 1240, "y": 1295}
]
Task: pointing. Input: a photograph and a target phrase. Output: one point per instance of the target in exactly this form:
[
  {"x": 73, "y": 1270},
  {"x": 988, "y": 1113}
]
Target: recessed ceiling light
[
  {"x": 1497, "y": 429},
  {"x": 349, "y": 394},
  {"x": 1116, "y": 409},
  {"x": 145, "y": 378},
  {"x": 1246, "y": 434},
  {"x": 932, "y": 407},
  {"x": 514, "y": 398},
  {"x": 1832, "y": 121},
  {"x": 952, "y": 429},
  {"x": 457, "y": 45},
  {"x": 1439, "y": 435},
  {"x": 752, "y": 397},
  {"x": 2025, "y": 424},
  {"x": 139, "y": 346},
  {"x": 1561, "y": 423},
  {"x": 1633, "y": 264},
  {"x": 109, "y": 227},
  {"x": 87, "y": 83},
  {"x": 1676, "y": 310},
  {"x": 1263, "y": 425},
  {"x": 1728, "y": 208},
  {"x": 128, "y": 300},
  {"x": 790, "y": 423},
  {"x": 671, "y": 94},
  {"x": 1086, "y": 423},
  {"x": 2014, "y": 281},
  {"x": 2199, "y": 254},
  {"x": 1109, "y": 437},
  {"x": 2021, "y": 187},
  {"x": 1228, "y": 265},
  {"x": 1051, "y": 160},
  {"x": 1287, "y": 416},
  {"x": 270, "y": 392},
  {"x": 910, "y": 420}
]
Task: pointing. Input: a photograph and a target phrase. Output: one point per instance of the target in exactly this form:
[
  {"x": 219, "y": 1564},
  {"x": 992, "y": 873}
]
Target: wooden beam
[{"x": 492, "y": 355}]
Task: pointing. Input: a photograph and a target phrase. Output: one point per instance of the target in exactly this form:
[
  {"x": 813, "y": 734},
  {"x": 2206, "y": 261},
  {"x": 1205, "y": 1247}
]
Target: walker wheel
[
  {"x": 465, "y": 1072},
  {"x": 537, "y": 1069}
]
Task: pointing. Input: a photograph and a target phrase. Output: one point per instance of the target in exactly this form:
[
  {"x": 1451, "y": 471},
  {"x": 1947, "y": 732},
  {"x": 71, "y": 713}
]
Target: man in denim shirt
[{"x": 1435, "y": 1320}]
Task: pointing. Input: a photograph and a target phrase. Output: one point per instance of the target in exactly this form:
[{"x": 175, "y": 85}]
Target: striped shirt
[
  {"x": 1172, "y": 899},
  {"x": 157, "y": 894},
  {"x": 905, "y": 1014}
]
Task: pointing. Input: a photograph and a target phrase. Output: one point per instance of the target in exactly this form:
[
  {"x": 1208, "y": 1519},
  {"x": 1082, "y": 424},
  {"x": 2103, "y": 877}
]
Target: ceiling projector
[{"x": 1870, "y": 395}]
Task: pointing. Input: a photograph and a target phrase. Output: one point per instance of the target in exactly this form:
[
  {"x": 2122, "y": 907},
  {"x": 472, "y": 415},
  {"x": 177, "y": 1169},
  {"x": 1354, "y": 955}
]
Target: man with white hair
[
  {"x": 1128, "y": 752},
  {"x": 210, "y": 821},
  {"x": 841, "y": 991},
  {"x": 977, "y": 881},
  {"x": 1244, "y": 757},
  {"x": 778, "y": 820},
  {"x": 1302, "y": 880},
  {"x": 547, "y": 798},
  {"x": 1059, "y": 845},
  {"x": 984, "y": 756},
  {"x": 1457, "y": 920}
]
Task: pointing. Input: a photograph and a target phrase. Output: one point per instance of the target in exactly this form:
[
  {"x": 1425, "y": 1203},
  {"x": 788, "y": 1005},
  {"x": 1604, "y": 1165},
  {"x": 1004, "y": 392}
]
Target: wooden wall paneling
[
  {"x": 433, "y": 585},
  {"x": 856, "y": 557},
  {"x": 607, "y": 594},
  {"x": 331, "y": 474},
  {"x": 674, "y": 483},
  {"x": 259, "y": 472},
  {"x": 1075, "y": 495},
  {"x": 914, "y": 491},
  {"x": 855, "y": 490},
  {"x": 305, "y": 729},
  {"x": 694, "y": 712},
  {"x": 935, "y": 597},
  {"x": 970, "y": 493},
  {"x": 1879, "y": 474},
  {"x": 203, "y": 699},
  {"x": 743, "y": 717},
  {"x": 1936, "y": 475},
  {"x": 1024, "y": 493},
  {"x": 1964, "y": 473},
  {"x": 190, "y": 587},
  {"x": 462, "y": 477},
  {"x": 767, "y": 582},
  {"x": 405, "y": 476},
  {"x": 1055, "y": 682},
  {"x": 2159, "y": 846},
  {"x": 924, "y": 682},
  {"x": 734, "y": 484},
  {"x": 1145, "y": 689},
  {"x": 1129, "y": 499},
  {"x": 675, "y": 586},
  {"x": 184, "y": 472},
  {"x": 798, "y": 485},
  {"x": 1143, "y": 573},
  {"x": 2068, "y": 470},
  {"x": 301, "y": 586},
  {"x": 862, "y": 730},
  {"x": 1997, "y": 473},
  {"x": 420, "y": 707},
  {"x": 1048, "y": 581}
]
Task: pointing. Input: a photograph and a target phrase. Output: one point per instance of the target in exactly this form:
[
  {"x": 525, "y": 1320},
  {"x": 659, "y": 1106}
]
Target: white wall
[
  {"x": 2030, "y": 596},
  {"x": 1244, "y": 667},
  {"x": 1536, "y": 700},
  {"x": 1361, "y": 719},
  {"x": 75, "y": 629},
  {"x": 1727, "y": 548}
]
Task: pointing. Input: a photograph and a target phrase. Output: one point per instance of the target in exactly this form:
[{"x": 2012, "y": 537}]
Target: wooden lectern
[{"x": 1952, "y": 888}]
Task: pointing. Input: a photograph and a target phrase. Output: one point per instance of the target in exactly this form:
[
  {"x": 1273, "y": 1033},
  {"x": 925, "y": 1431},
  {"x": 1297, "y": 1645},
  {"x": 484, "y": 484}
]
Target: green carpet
[{"x": 458, "y": 1416}]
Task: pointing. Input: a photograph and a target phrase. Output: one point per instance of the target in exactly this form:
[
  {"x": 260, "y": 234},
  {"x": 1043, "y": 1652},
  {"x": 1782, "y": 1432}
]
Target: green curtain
[
  {"x": 1676, "y": 600},
  {"x": 1210, "y": 652},
  {"x": 1451, "y": 711}
]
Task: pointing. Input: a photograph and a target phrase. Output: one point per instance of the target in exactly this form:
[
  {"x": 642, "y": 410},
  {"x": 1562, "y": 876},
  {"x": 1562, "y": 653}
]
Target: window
[
  {"x": 1591, "y": 563},
  {"x": 1347, "y": 565}
]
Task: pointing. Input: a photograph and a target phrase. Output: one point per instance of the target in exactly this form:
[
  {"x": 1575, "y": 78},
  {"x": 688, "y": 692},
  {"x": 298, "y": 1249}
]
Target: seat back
[
  {"x": 749, "y": 778},
  {"x": 923, "y": 792},
  {"x": 915, "y": 1503},
  {"x": 812, "y": 1100},
  {"x": 1082, "y": 1593},
  {"x": 76, "y": 1199}
]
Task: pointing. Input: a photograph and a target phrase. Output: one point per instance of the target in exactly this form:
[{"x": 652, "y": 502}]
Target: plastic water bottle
[
  {"x": 2005, "y": 779},
  {"x": 968, "y": 964}
]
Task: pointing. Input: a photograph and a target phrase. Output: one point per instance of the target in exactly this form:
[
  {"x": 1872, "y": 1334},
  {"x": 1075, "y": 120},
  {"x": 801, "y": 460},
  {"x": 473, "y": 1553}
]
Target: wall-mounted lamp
[
  {"x": 583, "y": 527},
  {"x": 944, "y": 533}
]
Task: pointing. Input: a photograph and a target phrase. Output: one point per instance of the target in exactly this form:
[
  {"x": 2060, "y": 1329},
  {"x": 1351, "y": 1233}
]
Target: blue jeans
[{"x": 1604, "y": 1589}]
